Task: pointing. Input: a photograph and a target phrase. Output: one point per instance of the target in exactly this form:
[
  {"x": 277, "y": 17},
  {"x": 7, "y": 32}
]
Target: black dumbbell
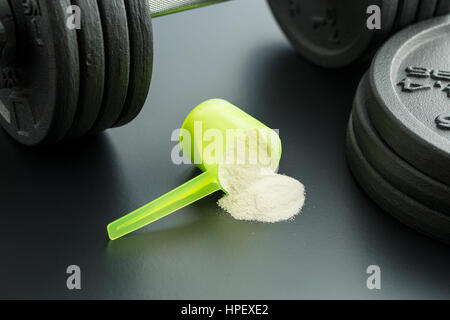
[
  {"x": 59, "y": 82},
  {"x": 334, "y": 33}
]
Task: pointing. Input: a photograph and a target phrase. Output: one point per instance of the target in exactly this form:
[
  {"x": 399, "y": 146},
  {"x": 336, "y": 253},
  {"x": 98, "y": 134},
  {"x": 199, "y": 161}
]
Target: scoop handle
[{"x": 187, "y": 193}]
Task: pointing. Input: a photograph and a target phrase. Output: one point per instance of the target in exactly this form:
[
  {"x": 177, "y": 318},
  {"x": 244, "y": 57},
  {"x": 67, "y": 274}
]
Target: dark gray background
[{"x": 55, "y": 204}]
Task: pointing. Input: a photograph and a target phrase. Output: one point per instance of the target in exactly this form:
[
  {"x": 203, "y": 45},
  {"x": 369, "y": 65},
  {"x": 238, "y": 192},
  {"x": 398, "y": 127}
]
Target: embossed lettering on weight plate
[
  {"x": 8, "y": 78},
  {"x": 326, "y": 20},
  {"x": 443, "y": 121},
  {"x": 32, "y": 9},
  {"x": 24, "y": 115},
  {"x": 294, "y": 8},
  {"x": 417, "y": 79}
]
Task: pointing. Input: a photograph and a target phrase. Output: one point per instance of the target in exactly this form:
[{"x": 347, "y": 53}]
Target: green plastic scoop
[{"x": 216, "y": 117}]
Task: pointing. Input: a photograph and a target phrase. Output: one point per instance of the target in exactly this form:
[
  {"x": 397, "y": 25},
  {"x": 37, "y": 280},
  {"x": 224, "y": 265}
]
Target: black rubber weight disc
[
  {"x": 141, "y": 55},
  {"x": 426, "y": 10},
  {"x": 8, "y": 52},
  {"x": 329, "y": 33},
  {"x": 40, "y": 89},
  {"x": 402, "y": 207},
  {"x": 443, "y": 7},
  {"x": 117, "y": 58},
  {"x": 406, "y": 13},
  {"x": 92, "y": 68},
  {"x": 410, "y": 87},
  {"x": 391, "y": 167}
]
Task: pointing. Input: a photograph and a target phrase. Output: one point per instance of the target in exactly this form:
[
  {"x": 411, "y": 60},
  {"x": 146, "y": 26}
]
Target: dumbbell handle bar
[
  {"x": 158, "y": 7},
  {"x": 164, "y": 7}
]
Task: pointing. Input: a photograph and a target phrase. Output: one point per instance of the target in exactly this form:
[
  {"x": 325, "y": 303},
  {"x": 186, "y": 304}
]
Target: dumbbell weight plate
[
  {"x": 8, "y": 53},
  {"x": 406, "y": 13},
  {"x": 141, "y": 58},
  {"x": 426, "y": 10},
  {"x": 389, "y": 165},
  {"x": 40, "y": 93},
  {"x": 326, "y": 32},
  {"x": 405, "y": 209},
  {"x": 443, "y": 7},
  {"x": 92, "y": 68},
  {"x": 410, "y": 80},
  {"x": 117, "y": 62}
]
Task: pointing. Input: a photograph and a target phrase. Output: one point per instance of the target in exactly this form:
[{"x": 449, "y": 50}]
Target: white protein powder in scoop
[{"x": 257, "y": 193}]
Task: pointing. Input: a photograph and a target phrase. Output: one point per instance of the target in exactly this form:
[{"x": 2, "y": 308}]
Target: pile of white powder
[{"x": 255, "y": 191}]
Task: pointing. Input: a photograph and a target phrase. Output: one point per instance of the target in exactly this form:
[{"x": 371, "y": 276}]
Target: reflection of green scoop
[{"x": 215, "y": 114}]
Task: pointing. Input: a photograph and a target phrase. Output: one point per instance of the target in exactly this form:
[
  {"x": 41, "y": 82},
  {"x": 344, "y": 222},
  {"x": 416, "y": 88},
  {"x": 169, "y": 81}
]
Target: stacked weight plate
[
  {"x": 334, "y": 33},
  {"x": 398, "y": 139},
  {"x": 65, "y": 82}
]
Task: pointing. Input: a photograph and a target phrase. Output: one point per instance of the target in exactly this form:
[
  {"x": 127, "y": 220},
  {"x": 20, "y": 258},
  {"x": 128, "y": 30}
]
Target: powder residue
[{"x": 255, "y": 191}]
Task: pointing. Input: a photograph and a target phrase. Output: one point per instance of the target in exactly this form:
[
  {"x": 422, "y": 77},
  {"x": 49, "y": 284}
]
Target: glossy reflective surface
[{"x": 55, "y": 204}]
